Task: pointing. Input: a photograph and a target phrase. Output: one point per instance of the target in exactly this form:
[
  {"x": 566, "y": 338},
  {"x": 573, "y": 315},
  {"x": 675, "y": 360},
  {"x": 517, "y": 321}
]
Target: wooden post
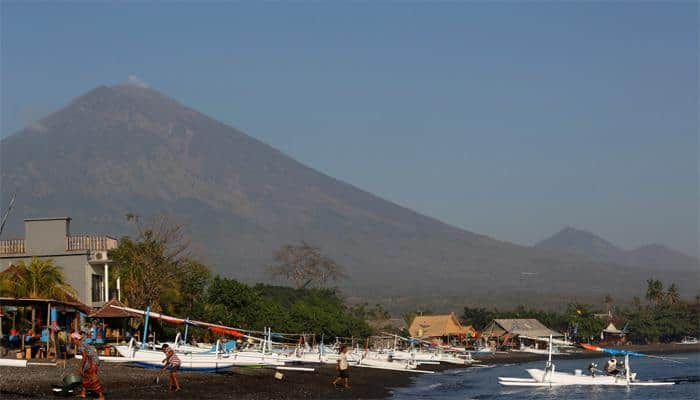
[{"x": 48, "y": 330}]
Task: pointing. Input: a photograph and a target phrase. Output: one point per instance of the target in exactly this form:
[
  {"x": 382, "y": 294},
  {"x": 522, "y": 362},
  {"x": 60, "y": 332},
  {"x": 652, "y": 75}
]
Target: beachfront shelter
[
  {"x": 612, "y": 335},
  {"x": 439, "y": 327},
  {"x": 116, "y": 321},
  {"x": 530, "y": 329},
  {"x": 50, "y": 314}
]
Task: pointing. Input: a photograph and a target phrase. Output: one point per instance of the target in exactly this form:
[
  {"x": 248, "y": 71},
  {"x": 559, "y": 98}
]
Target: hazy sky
[{"x": 507, "y": 119}]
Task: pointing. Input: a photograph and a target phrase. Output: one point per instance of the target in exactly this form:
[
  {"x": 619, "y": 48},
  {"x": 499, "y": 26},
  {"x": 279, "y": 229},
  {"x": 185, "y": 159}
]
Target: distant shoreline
[
  {"x": 651, "y": 349},
  {"x": 125, "y": 382}
]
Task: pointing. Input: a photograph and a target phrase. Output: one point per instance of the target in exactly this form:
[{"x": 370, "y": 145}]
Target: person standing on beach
[
  {"x": 88, "y": 367},
  {"x": 172, "y": 362},
  {"x": 342, "y": 368}
]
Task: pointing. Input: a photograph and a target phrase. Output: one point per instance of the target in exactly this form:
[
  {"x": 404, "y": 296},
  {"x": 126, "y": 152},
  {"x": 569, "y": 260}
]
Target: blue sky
[{"x": 508, "y": 119}]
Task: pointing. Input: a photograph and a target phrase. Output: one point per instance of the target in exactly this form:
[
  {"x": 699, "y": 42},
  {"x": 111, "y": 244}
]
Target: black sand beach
[{"x": 126, "y": 382}]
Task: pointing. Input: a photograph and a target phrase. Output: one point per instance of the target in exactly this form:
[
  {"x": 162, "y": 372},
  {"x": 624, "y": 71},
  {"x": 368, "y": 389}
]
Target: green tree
[
  {"x": 477, "y": 317},
  {"x": 584, "y": 320},
  {"x": 150, "y": 264},
  {"x": 376, "y": 316},
  {"x": 192, "y": 281},
  {"x": 315, "y": 310},
  {"x": 40, "y": 279},
  {"x": 665, "y": 318}
]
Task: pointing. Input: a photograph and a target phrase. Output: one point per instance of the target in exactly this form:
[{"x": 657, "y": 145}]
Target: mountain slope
[
  {"x": 126, "y": 149},
  {"x": 654, "y": 256}
]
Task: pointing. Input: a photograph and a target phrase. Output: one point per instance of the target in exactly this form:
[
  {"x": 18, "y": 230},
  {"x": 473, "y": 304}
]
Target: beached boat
[
  {"x": 689, "y": 340},
  {"x": 555, "y": 351},
  {"x": 549, "y": 377},
  {"x": 369, "y": 362},
  {"x": 200, "y": 361}
]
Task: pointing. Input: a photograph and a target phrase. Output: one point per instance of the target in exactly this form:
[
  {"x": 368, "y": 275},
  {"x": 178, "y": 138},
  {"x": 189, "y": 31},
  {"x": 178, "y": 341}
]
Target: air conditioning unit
[{"x": 99, "y": 255}]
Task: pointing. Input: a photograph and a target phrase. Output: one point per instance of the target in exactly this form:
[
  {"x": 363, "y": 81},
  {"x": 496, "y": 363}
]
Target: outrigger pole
[
  {"x": 174, "y": 320},
  {"x": 145, "y": 328}
]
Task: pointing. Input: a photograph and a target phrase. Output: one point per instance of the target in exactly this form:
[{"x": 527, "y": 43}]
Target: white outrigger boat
[
  {"x": 689, "y": 340},
  {"x": 549, "y": 377},
  {"x": 205, "y": 362}
]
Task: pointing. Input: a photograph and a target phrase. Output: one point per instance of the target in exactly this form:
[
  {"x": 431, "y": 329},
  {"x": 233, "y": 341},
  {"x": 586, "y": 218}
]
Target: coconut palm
[
  {"x": 655, "y": 290},
  {"x": 609, "y": 302},
  {"x": 672, "y": 294},
  {"x": 40, "y": 279}
]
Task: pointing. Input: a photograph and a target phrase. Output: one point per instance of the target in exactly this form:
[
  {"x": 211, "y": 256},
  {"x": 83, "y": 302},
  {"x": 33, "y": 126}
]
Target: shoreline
[{"x": 128, "y": 382}]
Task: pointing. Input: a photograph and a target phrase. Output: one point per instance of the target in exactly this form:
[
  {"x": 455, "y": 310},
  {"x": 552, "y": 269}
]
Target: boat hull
[
  {"x": 242, "y": 359},
  {"x": 190, "y": 366},
  {"x": 565, "y": 379}
]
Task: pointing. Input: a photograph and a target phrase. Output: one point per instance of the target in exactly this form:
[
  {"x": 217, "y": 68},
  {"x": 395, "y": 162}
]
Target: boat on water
[{"x": 549, "y": 377}]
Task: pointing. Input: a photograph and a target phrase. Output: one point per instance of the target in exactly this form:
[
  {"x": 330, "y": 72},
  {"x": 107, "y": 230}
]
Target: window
[{"x": 98, "y": 288}]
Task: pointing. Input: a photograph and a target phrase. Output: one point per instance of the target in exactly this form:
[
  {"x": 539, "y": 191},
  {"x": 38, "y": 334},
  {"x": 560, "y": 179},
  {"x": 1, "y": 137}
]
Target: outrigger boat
[
  {"x": 689, "y": 340},
  {"x": 549, "y": 377}
]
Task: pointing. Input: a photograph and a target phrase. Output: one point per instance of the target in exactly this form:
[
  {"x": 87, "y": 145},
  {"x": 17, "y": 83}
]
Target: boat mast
[{"x": 550, "y": 367}]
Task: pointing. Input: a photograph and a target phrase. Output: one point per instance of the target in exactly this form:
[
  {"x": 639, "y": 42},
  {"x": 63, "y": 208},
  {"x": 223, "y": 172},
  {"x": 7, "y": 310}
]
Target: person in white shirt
[
  {"x": 611, "y": 367},
  {"x": 342, "y": 368}
]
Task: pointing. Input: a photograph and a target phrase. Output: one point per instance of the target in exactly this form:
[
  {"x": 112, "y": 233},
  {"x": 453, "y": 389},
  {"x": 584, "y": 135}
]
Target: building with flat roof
[{"x": 83, "y": 258}]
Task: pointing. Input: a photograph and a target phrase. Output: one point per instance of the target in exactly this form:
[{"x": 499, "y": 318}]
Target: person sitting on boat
[
  {"x": 592, "y": 368},
  {"x": 611, "y": 367},
  {"x": 621, "y": 367}
]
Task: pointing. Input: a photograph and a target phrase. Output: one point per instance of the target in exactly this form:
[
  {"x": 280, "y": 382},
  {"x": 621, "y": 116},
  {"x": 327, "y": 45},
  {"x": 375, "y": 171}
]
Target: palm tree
[
  {"x": 655, "y": 290},
  {"x": 609, "y": 302},
  {"x": 672, "y": 294},
  {"x": 40, "y": 279}
]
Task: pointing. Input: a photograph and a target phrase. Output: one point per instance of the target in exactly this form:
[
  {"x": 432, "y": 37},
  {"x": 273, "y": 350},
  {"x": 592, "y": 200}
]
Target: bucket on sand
[
  {"x": 71, "y": 383},
  {"x": 279, "y": 376}
]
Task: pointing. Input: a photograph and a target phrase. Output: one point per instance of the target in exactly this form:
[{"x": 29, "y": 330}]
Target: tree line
[
  {"x": 662, "y": 317},
  {"x": 157, "y": 270}
]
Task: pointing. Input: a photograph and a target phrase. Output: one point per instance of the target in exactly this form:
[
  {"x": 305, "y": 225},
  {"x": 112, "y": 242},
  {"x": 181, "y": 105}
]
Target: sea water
[{"x": 482, "y": 383}]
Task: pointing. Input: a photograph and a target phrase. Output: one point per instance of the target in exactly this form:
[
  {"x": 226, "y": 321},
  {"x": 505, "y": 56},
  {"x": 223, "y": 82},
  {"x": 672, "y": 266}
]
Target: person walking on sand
[
  {"x": 88, "y": 367},
  {"x": 172, "y": 362},
  {"x": 342, "y": 368}
]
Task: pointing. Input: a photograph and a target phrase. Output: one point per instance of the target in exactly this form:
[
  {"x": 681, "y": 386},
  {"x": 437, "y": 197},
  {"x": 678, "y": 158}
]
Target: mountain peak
[
  {"x": 571, "y": 235},
  {"x": 580, "y": 242},
  {"x": 129, "y": 148},
  {"x": 577, "y": 241}
]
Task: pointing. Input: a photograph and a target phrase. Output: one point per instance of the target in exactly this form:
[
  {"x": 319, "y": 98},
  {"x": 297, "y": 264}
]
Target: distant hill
[
  {"x": 126, "y": 149},
  {"x": 655, "y": 256}
]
